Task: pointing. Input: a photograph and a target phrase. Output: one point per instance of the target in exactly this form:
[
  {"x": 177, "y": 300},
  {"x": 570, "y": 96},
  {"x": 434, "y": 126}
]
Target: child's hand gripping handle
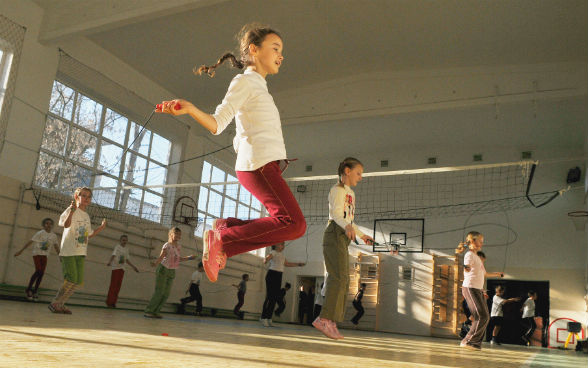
[{"x": 159, "y": 107}]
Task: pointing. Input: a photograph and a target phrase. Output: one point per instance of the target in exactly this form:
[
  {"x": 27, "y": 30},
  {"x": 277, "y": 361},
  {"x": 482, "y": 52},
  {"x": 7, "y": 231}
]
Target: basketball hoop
[
  {"x": 579, "y": 218},
  {"x": 190, "y": 221}
]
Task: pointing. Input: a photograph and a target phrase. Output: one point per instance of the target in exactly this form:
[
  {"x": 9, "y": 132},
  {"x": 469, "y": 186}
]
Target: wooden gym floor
[{"x": 31, "y": 336}]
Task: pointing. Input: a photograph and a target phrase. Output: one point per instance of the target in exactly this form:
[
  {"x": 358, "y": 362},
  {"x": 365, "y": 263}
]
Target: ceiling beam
[{"x": 72, "y": 18}]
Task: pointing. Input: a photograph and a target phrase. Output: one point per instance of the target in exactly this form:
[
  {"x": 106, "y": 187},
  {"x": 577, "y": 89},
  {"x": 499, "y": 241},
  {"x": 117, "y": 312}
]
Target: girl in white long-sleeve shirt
[
  {"x": 339, "y": 232},
  {"x": 260, "y": 151}
]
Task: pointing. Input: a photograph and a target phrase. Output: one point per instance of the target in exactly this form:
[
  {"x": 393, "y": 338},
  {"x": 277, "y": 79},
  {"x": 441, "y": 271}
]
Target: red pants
[
  {"x": 115, "y": 284},
  {"x": 286, "y": 221}
]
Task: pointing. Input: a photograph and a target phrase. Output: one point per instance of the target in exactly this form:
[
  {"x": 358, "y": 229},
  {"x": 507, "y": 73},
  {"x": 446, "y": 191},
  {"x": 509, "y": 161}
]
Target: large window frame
[
  {"x": 225, "y": 200},
  {"x": 116, "y": 151}
]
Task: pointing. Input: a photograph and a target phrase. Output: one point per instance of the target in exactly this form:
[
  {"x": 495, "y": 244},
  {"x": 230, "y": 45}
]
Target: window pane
[
  {"x": 217, "y": 176},
  {"x": 54, "y": 135},
  {"x": 88, "y": 113},
  {"x": 47, "y": 174},
  {"x": 229, "y": 208},
  {"x": 255, "y": 204},
  {"x": 81, "y": 147},
  {"x": 73, "y": 176},
  {"x": 62, "y": 98},
  {"x": 215, "y": 201},
  {"x": 243, "y": 212},
  {"x": 156, "y": 175},
  {"x": 110, "y": 156},
  {"x": 255, "y": 214},
  {"x": 160, "y": 148},
  {"x": 105, "y": 197},
  {"x": 141, "y": 139},
  {"x": 130, "y": 201},
  {"x": 135, "y": 169},
  {"x": 115, "y": 127},
  {"x": 199, "y": 231},
  {"x": 232, "y": 189},
  {"x": 152, "y": 207},
  {"x": 244, "y": 196},
  {"x": 202, "y": 199},
  {"x": 205, "y": 173}
]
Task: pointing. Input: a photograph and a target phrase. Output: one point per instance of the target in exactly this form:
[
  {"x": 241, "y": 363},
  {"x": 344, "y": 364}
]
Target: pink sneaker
[
  {"x": 219, "y": 224},
  {"x": 212, "y": 254},
  {"x": 333, "y": 327},
  {"x": 322, "y": 325}
]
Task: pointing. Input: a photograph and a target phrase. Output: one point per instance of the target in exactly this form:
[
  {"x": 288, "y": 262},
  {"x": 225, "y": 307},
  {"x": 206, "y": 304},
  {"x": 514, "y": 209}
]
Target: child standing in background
[
  {"x": 340, "y": 230},
  {"x": 168, "y": 261},
  {"x": 357, "y": 304},
  {"x": 42, "y": 240},
  {"x": 496, "y": 314},
  {"x": 241, "y": 290},
  {"x": 120, "y": 257},
  {"x": 282, "y": 299},
  {"x": 194, "y": 291},
  {"x": 77, "y": 230},
  {"x": 529, "y": 317}
]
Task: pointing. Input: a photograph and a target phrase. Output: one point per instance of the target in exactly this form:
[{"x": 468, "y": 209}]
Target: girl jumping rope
[
  {"x": 260, "y": 150},
  {"x": 472, "y": 289},
  {"x": 339, "y": 232},
  {"x": 77, "y": 230}
]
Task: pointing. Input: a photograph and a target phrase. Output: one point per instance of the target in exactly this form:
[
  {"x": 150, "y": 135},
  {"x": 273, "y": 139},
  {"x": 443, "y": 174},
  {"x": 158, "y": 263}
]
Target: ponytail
[{"x": 253, "y": 33}]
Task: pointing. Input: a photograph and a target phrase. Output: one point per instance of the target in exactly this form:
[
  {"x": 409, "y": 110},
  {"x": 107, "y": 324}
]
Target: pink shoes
[
  {"x": 214, "y": 258},
  {"x": 327, "y": 327}
]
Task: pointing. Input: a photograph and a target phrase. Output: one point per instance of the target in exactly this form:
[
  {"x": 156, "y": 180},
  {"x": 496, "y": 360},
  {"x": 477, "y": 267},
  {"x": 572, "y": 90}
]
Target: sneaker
[
  {"x": 29, "y": 294},
  {"x": 241, "y": 315},
  {"x": 149, "y": 315},
  {"x": 219, "y": 224},
  {"x": 212, "y": 254},
  {"x": 470, "y": 347},
  {"x": 322, "y": 325},
  {"x": 55, "y": 308},
  {"x": 270, "y": 322},
  {"x": 158, "y": 316},
  {"x": 65, "y": 310},
  {"x": 494, "y": 342},
  {"x": 35, "y": 297},
  {"x": 335, "y": 330},
  {"x": 265, "y": 322}
]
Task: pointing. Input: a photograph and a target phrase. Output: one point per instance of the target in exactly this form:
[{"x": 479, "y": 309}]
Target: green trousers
[
  {"x": 164, "y": 278},
  {"x": 336, "y": 255}
]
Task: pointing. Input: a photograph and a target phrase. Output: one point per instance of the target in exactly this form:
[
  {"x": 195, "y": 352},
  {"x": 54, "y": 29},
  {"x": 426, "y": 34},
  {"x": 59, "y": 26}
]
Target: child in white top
[
  {"x": 496, "y": 314},
  {"x": 118, "y": 260},
  {"x": 77, "y": 230},
  {"x": 168, "y": 261},
  {"x": 529, "y": 317},
  {"x": 472, "y": 289},
  {"x": 194, "y": 290},
  {"x": 260, "y": 148},
  {"x": 273, "y": 281},
  {"x": 340, "y": 230},
  {"x": 42, "y": 240}
]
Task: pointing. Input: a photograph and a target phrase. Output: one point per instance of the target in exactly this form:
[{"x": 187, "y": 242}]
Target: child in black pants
[
  {"x": 194, "y": 291},
  {"x": 242, "y": 289}
]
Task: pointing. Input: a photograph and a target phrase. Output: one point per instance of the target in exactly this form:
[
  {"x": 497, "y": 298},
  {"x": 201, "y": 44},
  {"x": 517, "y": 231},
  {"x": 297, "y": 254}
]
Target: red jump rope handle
[{"x": 159, "y": 107}]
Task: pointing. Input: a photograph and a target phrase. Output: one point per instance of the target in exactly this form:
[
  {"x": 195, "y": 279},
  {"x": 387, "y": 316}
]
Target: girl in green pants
[
  {"x": 339, "y": 232},
  {"x": 168, "y": 261}
]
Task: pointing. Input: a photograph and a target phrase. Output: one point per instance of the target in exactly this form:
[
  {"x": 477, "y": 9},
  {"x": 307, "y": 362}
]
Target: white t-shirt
[
  {"x": 258, "y": 139},
  {"x": 277, "y": 261},
  {"x": 196, "y": 277},
  {"x": 475, "y": 277},
  {"x": 121, "y": 256},
  {"x": 497, "y": 303},
  {"x": 529, "y": 308},
  {"x": 74, "y": 241},
  {"x": 42, "y": 240},
  {"x": 342, "y": 207}
]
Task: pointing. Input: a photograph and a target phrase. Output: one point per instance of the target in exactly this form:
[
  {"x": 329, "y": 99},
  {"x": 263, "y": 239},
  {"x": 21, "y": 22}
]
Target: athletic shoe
[
  {"x": 269, "y": 322},
  {"x": 35, "y": 297},
  {"x": 158, "y": 316},
  {"x": 322, "y": 325},
  {"x": 470, "y": 347},
  {"x": 65, "y": 310},
  {"x": 55, "y": 308},
  {"x": 29, "y": 294},
  {"x": 494, "y": 342},
  {"x": 219, "y": 224},
  {"x": 265, "y": 322},
  {"x": 333, "y": 326},
  {"x": 212, "y": 254},
  {"x": 149, "y": 315}
]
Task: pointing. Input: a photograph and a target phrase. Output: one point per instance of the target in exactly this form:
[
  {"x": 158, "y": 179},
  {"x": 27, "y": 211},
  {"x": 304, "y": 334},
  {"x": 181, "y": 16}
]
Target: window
[
  {"x": 224, "y": 200},
  {"x": 86, "y": 143},
  {"x": 5, "y": 64}
]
